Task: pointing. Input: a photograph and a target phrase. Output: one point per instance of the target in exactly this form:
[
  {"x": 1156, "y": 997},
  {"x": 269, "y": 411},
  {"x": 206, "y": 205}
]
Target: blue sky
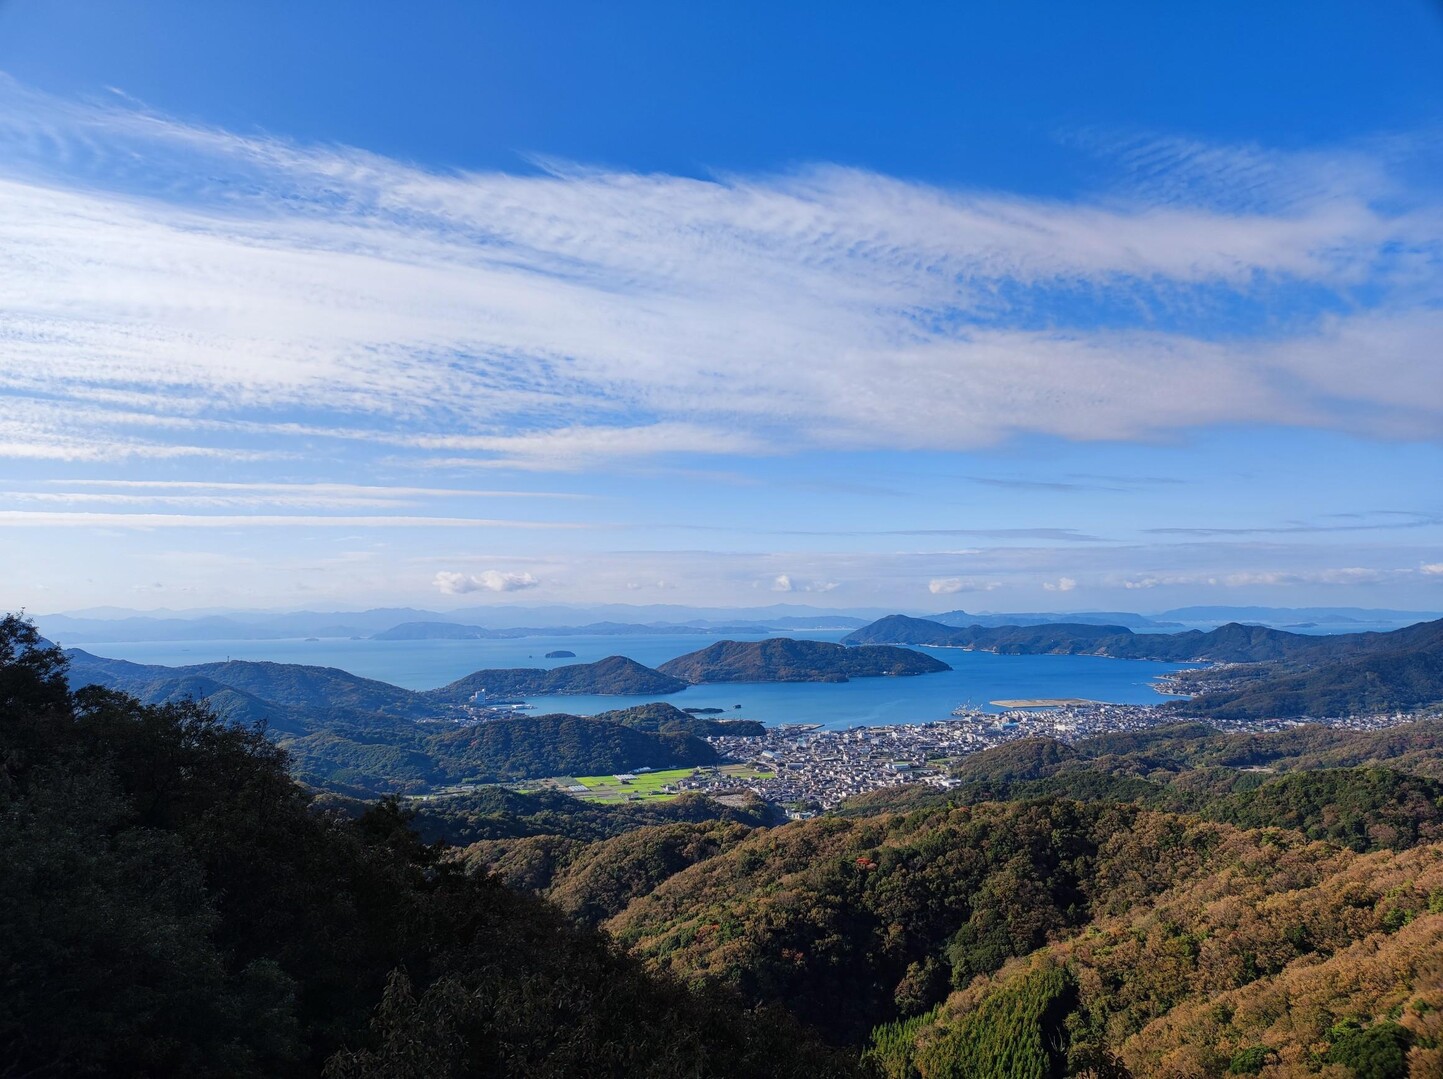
[{"x": 998, "y": 306}]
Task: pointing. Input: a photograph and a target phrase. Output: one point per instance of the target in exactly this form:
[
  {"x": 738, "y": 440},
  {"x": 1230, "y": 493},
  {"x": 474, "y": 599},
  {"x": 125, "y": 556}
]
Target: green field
[{"x": 645, "y": 785}]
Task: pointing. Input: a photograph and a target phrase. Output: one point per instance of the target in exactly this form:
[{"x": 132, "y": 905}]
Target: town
[{"x": 812, "y": 769}]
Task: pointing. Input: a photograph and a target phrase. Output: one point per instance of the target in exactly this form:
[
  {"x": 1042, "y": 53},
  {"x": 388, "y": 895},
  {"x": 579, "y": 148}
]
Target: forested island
[
  {"x": 781, "y": 659},
  {"x": 614, "y": 675}
]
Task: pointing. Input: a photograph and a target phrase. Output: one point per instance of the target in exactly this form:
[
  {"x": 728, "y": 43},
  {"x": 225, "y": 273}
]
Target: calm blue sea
[{"x": 977, "y": 677}]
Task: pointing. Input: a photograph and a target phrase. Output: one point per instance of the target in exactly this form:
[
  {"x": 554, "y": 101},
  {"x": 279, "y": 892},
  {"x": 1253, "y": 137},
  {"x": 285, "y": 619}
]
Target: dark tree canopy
[{"x": 172, "y": 904}]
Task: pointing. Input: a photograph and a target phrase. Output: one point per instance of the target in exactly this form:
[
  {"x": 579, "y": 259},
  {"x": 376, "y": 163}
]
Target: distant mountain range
[
  {"x": 408, "y": 625},
  {"x": 454, "y": 631},
  {"x": 1034, "y": 618},
  {"x": 1333, "y": 616},
  {"x": 479, "y": 623}
]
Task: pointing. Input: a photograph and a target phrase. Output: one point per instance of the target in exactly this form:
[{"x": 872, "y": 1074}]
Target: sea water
[{"x": 977, "y": 678}]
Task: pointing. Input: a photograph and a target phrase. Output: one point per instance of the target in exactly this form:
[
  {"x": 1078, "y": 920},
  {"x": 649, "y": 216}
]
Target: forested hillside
[
  {"x": 327, "y": 695},
  {"x": 360, "y": 736},
  {"x": 292, "y": 697},
  {"x": 1401, "y": 679},
  {"x": 1113, "y": 932},
  {"x": 498, "y": 813},
  {"x": 1169, "y": 902},
  {"x": 172, "y": 905},
  {"x": 1298, "y": 675},
  {"x": 1232, "y": 643},
  {"x": 956, "y": 933}
]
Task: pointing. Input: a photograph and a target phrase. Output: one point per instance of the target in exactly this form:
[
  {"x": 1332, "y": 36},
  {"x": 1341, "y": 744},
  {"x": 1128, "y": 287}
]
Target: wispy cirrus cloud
[
  {"x": 1073, "y": 482},
  {"x": 208, "y": 494},
  {"x": 147, "y": 521},
  {"x": 1385, "y": 521},
  {"x": 201, "y": 293},
  {"x": 1062, "y": 535},
  {"x": 1342, "y": 575}
]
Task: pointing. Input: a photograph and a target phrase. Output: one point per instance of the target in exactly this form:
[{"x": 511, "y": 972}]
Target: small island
[
  {"x": 781, "y": 659},
  {"x": 560, "y": 653}
]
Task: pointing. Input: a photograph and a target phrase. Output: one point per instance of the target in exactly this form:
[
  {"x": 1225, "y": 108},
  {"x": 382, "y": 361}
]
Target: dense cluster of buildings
[{"x": 812, "y": 768}]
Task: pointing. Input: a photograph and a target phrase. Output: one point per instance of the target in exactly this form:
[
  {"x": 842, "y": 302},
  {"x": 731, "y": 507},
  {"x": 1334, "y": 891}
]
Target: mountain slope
[
  {"x": 1286, "y": 957},
  {"x": 595, "y": 881},
  {"x": 173, "y": 906},
  {"x": 288, "y": 694},
  {"x": 1338, "y": 675},
  {"x": 360, "y": 736},
  {"x": 1232, "y": 643},
  {"x": 1401, "y": 672},
  {"x": 412, "y": 760},
  {"x": 1147, "y": 920},
  {"x": 534, "y": 746}
]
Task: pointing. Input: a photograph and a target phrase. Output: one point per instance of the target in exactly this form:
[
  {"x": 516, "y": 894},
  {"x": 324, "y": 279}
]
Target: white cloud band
[{"x": 560, "y": 320}]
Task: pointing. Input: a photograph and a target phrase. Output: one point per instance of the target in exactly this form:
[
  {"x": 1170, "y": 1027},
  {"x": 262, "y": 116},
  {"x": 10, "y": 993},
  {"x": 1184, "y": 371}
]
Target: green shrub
[
  {"x": 1250, "y": 1061},
  {"x": 1376, "y": 1052}
]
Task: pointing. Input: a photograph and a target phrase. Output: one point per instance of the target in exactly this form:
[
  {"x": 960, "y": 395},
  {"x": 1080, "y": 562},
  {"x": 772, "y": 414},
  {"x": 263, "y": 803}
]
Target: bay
[{"x": 977, "y": 678}]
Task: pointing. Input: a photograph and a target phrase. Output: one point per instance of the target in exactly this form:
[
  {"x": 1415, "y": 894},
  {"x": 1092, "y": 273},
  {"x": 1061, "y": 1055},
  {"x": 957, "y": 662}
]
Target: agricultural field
[{"x": 642, "y": 785}]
